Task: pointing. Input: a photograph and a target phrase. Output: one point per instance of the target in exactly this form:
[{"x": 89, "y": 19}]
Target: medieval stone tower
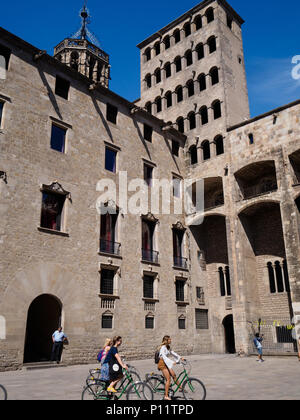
[
  {"x": 84, "y": 56},
  {"x": 193, "y": 75}
]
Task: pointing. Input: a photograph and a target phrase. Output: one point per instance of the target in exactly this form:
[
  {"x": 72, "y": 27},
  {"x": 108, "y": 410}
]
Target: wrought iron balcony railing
[
  {"x": 109, "y": 247},
  {"x": 150, "y": 256},
  {"x": 180, "y": 262}
]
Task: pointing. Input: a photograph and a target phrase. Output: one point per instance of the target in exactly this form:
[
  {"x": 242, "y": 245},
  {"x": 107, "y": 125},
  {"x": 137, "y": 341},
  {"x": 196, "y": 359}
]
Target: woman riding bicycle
[
  {"x": 165, "y": 364},
  {"x": 114, "y": 364}
]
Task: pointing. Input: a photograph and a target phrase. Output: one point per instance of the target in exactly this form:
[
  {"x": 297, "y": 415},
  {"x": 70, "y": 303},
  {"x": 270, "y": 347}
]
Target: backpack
[
  {"x": 100, "y": 355},
  {"x": 156, "y": 357}
]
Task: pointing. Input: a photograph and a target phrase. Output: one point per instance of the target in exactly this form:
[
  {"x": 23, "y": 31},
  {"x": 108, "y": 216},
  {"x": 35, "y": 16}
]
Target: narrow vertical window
[
  {"x": 148, "y": 287},
  {"x": 219, "y": 142},
  {"x": 189, "y": 58},
  {"x": 158, "y": 103},
  {"x": 179, "y": 290},
  {"x": 111, "y": 113},
  {"x": 202, "y": 82},
  {"x": 169, "y": 99},
  {"x": 167, "y": 42},
  {"x": 191, "y": 88},
  {"x": 179, "y": 93},
  {"x": 198, "y": 22},
  {"x": 204, "y": 115},
  {"x": 175, "y": 148},
  {"x": 168, "y": 70},
  {"x": 180, "y": 124},
  {"x": 148, "y": 174},
  {"x": 1, "y": 114},
  {"x": 271, "y": 278},
  {"x": 200, "y": 51},
  {"x": 192, "y": 120},
  {"x": 194, "y": 155},
  {"x": 222, "y": 282},
  {"x": 206, "y": 150},
  {"x": 212, "y": 44},
  {"x": 176, "y": 35},
  {"x": 214, "y": 74},
  {"x": 58, "y": 138},
  {"x": 52, "y": 210},
  {"x": 187, "y": 29},
  {"x": 107, "y": 282},
  {"x": 62, "y": 87},
  {"x": 217, "y": 109},
  {"x": 210, "y": 17},
  {"x": 110, "y": 160},
  {"x": 178, "y": 64},
  {"x": 148, "y": 131},
  {"x": 5, "y": 52}
]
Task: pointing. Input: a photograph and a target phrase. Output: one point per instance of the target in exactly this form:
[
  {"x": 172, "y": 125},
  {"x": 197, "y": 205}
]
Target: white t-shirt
[{"x": 165, "y": 353}]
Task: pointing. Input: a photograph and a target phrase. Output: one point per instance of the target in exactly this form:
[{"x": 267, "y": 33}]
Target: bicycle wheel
[
  {"x": 3, "y": 393},
  {"x": 193, "y": 389},
  {"x": 157, "y": 385},
  {"x": 135, "y": 377},
  {"x": 95, "y": 391},
  {"x": 93, "y": 376},
  {"x": 132, "y": 369},
  {"x": 139, "y": 391}
]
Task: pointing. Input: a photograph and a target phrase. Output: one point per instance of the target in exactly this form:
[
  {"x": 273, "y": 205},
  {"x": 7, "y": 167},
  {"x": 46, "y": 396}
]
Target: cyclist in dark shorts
[{"x": 115, "y": 364}]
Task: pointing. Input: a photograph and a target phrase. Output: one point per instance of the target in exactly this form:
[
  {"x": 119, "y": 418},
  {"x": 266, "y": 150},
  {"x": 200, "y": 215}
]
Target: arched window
[
  {"x": 216, "y": 106},
  {"x": 194, "y": 154},
  {"x": 206, "y": 150},
  {"x": 158, "y": 103},
  {"x": 200, "y": 51},
  {"x": 219, "y": 142},
  {"x": 278, "y": 277},
  {"x": 169, "y": 101},
  {"x": 210, "y": 16},
  {"x": 179, "y": 94},
  {"x": 204, "y": 115},
  {"x": 157, "y": 48},
  {"x": 180, "y": 124},
  {"x": 147, "y": 54},
  {"x": 176, "y": 36},
  {"x": 168, "y": 70},
  {"x": 202, "y": 82},
  {"x": 189, "y": 58},
  {"x": 148, "y": 80},
  {"x": 212, "y": 44},
  {"x": 167, "y": 42},
  {"x": 178, "y": 64},
  {"x": 190, "y": 88},
  {"x": 198, "y": 22},
  {"x": 192, "y": 120},
  {"x": 157, "y": 74},
  {"x": 214, "y": 74},
  {"x": 148, "y": 107},
  {"x": 187, "y": 29}
]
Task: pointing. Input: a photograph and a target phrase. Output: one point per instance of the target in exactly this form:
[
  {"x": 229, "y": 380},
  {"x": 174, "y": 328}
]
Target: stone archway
[
  {"x": 229, "y": 334},
  {"x": 43, "y": 318}
]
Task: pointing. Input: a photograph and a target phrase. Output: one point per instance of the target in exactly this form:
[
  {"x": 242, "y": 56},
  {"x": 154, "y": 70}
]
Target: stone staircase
[{"x": 42, "y": 365}]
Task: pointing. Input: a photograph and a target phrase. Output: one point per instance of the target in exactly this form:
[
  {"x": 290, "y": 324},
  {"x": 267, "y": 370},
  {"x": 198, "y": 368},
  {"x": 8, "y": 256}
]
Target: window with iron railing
[
  {"x": 108, "y": 242},
  {"x": 178, "y": 260},
  {"x": 148, "y": 252}
]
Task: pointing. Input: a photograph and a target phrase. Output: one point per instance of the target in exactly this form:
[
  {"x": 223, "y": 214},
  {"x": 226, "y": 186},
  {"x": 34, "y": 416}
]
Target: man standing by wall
[{"x": 58, "y": 338}]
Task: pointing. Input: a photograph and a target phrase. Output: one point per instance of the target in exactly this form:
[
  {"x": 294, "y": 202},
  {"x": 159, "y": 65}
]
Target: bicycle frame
[{"x": 121, "y": 388}]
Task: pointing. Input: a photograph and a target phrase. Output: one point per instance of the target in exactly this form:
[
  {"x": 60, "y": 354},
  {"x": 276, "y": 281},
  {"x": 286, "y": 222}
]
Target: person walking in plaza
[
  {"x": 58, "y": 339},
  {"x": 258, "y": 344},
  {"x": 165, "y": 364},
  {"x": 114, "y": 365}
]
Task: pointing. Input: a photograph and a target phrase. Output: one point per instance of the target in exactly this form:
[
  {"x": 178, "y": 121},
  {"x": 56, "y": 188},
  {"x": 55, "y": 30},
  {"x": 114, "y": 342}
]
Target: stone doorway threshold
[{"x": 42, "y": 365}]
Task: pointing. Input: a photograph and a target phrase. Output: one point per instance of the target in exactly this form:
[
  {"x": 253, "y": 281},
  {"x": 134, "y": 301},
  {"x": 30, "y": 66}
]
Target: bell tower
[{"x": 82, "y": 52}]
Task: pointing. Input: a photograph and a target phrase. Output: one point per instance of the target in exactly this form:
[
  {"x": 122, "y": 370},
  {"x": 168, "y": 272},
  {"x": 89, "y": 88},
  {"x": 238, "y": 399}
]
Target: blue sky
[{"x": 271, "y": 38}]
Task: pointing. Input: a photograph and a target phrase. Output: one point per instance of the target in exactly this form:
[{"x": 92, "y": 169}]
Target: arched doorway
[
  {"x": 229, "y": 334},
  {"x": 44, "y": 317}
]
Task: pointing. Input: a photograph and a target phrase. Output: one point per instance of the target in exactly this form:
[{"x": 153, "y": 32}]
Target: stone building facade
[{"x": 147, "y": 274}]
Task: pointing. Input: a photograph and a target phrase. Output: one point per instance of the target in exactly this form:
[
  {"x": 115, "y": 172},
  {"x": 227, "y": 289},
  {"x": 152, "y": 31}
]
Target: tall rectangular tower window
[
  {"x": 62, "y": 87},
  {"x": 107, "y": 282},
  {"x": 58, "y": 138}
]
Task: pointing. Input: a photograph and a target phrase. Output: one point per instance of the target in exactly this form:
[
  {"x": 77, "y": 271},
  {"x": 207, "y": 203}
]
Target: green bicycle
[
  {"x": 95, "y": 374},
  {"x": 192, "y": 388},
  {"x": 132, "y": 390}
]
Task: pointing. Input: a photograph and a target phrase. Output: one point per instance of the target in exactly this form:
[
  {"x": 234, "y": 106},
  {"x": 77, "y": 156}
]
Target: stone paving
[{"x": 226, "y": 378}]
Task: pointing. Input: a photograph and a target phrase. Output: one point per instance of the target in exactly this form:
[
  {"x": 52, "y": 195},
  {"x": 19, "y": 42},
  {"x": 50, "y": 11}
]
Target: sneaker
[{"x": 110, "y": 389}]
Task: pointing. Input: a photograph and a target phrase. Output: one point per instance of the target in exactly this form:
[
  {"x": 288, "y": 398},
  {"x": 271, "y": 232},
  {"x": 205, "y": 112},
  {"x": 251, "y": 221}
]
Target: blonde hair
[{"x": 108, "y": 343}]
